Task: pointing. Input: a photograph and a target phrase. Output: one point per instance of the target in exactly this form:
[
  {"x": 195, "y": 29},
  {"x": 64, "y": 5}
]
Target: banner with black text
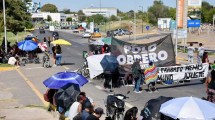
[{"x": 185, "y": 72}]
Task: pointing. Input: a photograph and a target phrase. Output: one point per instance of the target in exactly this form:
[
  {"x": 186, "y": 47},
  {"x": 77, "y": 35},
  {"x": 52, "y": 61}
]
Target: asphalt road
[
  {"x": 72, "y": 56},
  {"x": 28, "y": 88}
]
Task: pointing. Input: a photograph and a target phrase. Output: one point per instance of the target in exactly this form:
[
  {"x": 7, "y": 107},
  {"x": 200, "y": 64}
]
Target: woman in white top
[{"x": 75, "y": 108}]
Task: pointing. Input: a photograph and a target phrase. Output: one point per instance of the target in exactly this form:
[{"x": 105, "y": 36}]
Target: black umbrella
[
  {"x": 152, "y": 107},
  {"x": 109, "y": 63},
  {"x": 66, "y": 95}
]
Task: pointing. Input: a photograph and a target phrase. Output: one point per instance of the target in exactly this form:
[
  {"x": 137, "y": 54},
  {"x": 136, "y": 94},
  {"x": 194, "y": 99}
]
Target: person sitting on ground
[
  {"x": 76, "y": 107},
  {"x": 96, "y": 114},
  {"x": 86, "y": 101},
  {"x": 151, "y": 76},
  {"x": 87, "y": 111},
  {"x": 131, "y": 114}
]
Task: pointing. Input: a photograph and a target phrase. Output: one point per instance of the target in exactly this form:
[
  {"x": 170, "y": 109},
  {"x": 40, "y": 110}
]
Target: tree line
[{"x": 17, "y": 18}]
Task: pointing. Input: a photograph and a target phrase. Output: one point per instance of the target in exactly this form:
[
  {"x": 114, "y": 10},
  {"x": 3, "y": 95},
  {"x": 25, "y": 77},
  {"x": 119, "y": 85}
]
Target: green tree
[
  {"x": 158, "y": 10},
  {"x": 98, "y": 18},
  {"x": 207, "y": 12},
  {"x": 69, "y": 19},
  {"x": 81, "y": 16},
  {"x": 66, "y": 11},
  {"x": 16, "y": 16},
  {"x": 49, "y": 18},
  {"x": 49, "y": 8},
  {"x": 113, "y": 18}
]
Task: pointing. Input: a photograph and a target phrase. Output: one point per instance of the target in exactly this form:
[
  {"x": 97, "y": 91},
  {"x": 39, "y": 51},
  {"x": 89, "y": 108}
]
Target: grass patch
[
  {"x": 6, "y": 65},
  {"x": 13, "y": 38}
]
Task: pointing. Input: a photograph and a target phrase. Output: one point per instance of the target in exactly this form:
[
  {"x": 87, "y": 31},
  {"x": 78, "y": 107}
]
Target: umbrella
[
  {"x": 189, "y": 108},
  {"x": 62, "y": 78},
  {"x": 152, "y": 107},
  {"x": 27, "y": 45},
  {"x": 67, "y": 95},
  {"x": 109, "y": 63},
  {"x": 61, "y": 42}
]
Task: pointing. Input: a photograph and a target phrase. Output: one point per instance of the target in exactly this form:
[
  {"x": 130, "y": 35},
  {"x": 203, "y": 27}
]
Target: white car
[{"x": 86, "y": 35}]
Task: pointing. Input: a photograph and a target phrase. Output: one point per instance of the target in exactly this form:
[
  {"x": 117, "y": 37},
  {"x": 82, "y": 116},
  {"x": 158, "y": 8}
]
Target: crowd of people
[{"x": 82, "y": 109}]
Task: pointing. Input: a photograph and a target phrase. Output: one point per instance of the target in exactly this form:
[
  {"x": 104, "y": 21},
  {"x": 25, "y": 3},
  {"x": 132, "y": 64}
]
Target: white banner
[
  {"x": 94, "y": 65},
  {"x": 185, "y": 72}
]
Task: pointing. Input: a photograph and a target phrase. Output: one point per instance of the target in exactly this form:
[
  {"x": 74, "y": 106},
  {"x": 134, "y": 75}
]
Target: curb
[{"x": 2, "y": 69}]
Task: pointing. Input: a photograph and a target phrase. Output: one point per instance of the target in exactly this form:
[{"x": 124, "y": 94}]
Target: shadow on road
[
  {"x": 67, "y": 63},
  {"x": 179, "y": 85}
]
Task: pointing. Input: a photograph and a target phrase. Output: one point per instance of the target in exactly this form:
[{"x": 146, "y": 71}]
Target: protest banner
[
  {"x": 185, "y": 72},
  {"x": 161, "y": 52}
]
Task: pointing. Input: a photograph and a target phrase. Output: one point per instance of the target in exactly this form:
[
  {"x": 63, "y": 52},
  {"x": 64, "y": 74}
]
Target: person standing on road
[
  {"x": 58, "y": 55},
  {"x": 54, "y": 53},
  {"x": 151, "y": 75},
  {"x": 44, "y": 40},
  {"x": 190, "y": 52},
  {"x": 200, "y": 53},
  {"x": 49, "y": 41},
  {"x": 136, "y": 73},
  {"x": 205, "y": 58},
  {"x": 210, "y": 85}
]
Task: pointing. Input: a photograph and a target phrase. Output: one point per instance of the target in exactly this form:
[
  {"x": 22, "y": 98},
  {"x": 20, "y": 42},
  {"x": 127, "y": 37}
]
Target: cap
[{"x": 99, "y": 111}]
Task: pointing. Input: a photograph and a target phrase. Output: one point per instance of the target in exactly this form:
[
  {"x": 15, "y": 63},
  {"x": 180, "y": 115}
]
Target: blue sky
[{"x": 123, "y": 5}]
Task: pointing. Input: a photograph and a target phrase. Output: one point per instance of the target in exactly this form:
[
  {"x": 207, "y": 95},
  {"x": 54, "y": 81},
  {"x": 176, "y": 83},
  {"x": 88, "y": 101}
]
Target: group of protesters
[{"x": 82, "y": 109}]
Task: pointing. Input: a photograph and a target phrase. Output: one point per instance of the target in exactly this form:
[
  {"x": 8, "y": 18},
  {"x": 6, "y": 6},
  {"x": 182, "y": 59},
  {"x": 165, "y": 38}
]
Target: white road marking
[
  {"x": 34, "y": 68},
  {"x": 99, "y": 87},
  {"x": 128, "y": 105}
]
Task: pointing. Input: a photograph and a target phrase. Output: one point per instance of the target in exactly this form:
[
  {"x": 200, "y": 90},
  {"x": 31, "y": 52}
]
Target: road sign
[
  {"x": 147, "y": 27},
  {"x": 181, "y": 33},
  {"x": 193, "y": 23}
]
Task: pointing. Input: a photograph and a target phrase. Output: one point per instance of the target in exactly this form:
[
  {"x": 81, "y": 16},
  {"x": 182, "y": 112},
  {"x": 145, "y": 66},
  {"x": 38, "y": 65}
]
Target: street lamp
[
  {"x": 142, "y": 17},
  {"x": 5, "y": 28}
]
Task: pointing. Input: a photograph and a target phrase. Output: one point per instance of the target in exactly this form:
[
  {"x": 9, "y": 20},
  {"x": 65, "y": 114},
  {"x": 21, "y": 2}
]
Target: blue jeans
[
  {"x": 58, "y": 59},
  {"x": 137, "y": 84}
]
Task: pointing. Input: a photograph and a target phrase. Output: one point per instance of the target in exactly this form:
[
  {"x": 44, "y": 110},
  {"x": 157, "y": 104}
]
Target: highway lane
[{"x": 72, "y": 55}]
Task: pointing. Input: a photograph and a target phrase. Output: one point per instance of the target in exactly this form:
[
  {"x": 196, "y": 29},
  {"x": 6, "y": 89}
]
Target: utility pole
[
  {"x": 100, "y": 6},
  {"x": 142, "y": 17},
  {"x": 5, "y": 28}
]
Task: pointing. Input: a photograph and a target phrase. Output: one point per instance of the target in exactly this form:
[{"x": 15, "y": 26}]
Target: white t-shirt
[
  {"x": 73, "y": 111},
  {"x": 201, "y": 51},
  {"x": 190, "y": 51}
]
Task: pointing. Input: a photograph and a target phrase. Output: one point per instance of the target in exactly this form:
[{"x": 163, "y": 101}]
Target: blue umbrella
[
  {"x": 109, "y": 63},
  {"x": 27, "y": 45},
  {"x": 62, "y": 78}
]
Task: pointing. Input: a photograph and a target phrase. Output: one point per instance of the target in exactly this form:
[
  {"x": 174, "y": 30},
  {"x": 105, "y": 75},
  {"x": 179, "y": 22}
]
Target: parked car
[
  {"x": 96, "y": 35},
  {"x": 126, "y": 32},
  {"x": 86, "y": 35},
  {"x": 55, "y": 35},
  {"x": 118, "y": 32},
  {"x": 41, "y": 29}
]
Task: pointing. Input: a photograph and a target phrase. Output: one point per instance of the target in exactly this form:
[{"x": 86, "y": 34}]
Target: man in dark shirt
[{"x": 96, "y": 115}]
